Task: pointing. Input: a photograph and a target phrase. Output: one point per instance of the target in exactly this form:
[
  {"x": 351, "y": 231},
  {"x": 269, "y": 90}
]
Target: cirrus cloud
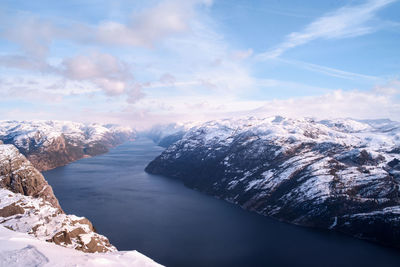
[{"x": 346, "y": 22}]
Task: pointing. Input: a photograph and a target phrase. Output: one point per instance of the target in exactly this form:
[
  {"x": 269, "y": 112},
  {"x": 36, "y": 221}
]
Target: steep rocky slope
[
  {"x": 49, "y": 144},
  {"x": 337, "y": 174},
  {"x": 28, "y": 205}
]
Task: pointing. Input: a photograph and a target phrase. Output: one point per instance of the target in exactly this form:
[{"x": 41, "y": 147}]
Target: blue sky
[{"x": 144, "y": 62}]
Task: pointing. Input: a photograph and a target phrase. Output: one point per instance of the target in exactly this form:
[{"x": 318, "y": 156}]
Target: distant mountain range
[
  {"x": 339, "y": 174},
  {"x": 50, "y": 144}
]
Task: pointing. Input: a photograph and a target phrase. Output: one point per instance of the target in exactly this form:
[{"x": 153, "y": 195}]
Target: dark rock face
[
  {"x": 50, "y": 144},
  {"x": 19, "y": 176},
  {"x": 333, "y": 174},
  {"x": 170, "y": 139},
  {"x": 58, "y": 153}
]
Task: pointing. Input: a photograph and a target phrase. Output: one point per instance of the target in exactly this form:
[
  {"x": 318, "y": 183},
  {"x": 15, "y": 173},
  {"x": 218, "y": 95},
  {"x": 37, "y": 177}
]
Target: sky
[{"x": 140, "y": 63}]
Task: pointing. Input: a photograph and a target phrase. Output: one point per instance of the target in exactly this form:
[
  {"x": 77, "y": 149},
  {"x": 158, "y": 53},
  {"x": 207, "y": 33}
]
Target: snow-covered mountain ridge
[
  {"x": 49, "y": 144},
  {"x": 340, "y": 174}
]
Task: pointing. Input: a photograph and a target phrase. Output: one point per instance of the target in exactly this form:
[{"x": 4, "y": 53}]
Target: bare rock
[
  {"x": 20, "y": 176},
  {"x": 61, "y": 238},
  {"x": 11, "y": 210}
]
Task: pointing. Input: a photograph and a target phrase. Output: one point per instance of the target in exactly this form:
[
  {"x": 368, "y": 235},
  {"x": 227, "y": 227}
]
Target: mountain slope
[
  {"x": 49, "y": 144},
  {"x": 336, "y": 174}
]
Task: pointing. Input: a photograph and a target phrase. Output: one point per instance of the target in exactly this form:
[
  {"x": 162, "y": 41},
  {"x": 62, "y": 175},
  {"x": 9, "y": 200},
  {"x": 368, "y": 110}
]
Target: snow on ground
[
  {"x": 44, "y": 132},
  {"x": 19, "y": 249},
  {"x": 376, "y": 135},
  {"x": 325, "y": 158},
  {"x": 40, "y": 219}
]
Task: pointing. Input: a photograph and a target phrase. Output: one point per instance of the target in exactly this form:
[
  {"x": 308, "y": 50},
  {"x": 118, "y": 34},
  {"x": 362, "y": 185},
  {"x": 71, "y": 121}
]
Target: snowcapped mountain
[
  {"x": 338, "y": 174},
  {"x": 49, "y": 144}
]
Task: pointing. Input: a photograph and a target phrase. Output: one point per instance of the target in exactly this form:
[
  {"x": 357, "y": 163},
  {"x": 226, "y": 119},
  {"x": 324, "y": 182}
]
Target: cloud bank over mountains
[{"x": 175, "y": 60}]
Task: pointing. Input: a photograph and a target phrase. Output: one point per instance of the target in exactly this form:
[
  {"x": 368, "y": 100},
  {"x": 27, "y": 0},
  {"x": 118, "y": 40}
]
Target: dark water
[{"x": 177, "y": 226}]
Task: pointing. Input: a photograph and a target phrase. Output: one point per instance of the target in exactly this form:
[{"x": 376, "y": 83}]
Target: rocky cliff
[
  {"x": 49, "y": 144},
  {"x": 28, "y": 205},
  {"x": 334, "y": 174}
]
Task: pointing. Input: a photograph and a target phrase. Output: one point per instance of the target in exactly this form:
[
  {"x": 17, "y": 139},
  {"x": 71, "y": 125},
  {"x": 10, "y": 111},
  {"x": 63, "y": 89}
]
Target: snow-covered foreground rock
[
  {"x": 38, "y": 218},
  {"x": 28, "y": 205},
  {"x": 18, "y": 249},
  {"x": 337, "y": 174},
  {"x": 49, "y": 144}
]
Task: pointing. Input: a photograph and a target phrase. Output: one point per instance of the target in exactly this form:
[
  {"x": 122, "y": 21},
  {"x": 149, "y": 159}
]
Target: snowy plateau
[{"x": 340, "y": 174}]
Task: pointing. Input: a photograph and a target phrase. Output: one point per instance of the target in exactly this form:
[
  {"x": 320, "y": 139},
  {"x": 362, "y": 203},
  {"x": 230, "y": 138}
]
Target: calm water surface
[{"x": 177, "y": 226}]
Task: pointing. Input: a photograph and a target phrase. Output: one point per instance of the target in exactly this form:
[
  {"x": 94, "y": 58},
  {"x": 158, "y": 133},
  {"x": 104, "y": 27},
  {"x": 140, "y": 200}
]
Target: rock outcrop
[
  {"x": 337, "y": 174},
  {"x": 18, "y": 175},
  {"x": 50, "y": 144},
  {"x": 28, "y": 204}
]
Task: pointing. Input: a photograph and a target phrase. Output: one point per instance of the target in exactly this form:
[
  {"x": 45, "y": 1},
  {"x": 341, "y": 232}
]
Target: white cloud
[
  {"x": 167, "y": 79},
  {"x": 192, "y": 74},
  {"x": 113, "y": 76},
  {"x": 204, "y": 62},
  {"x": 289, "y": 85},
  {"x": 392, "y": 88},
  {"x": 379, "y": 102},
  {"x": 25, "y": 63},
  {"x": 33, "y": 34},
  {"x": 348, "y": 21},
  {"x": 94, "y": 66},
  {"x": 167, "y": 18},
  {"x": 242, "y": 54},
  {"x": 48, "y": 89},
  {"x": 337, "y": 104},
  {"x": 329, "y": 71}
]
